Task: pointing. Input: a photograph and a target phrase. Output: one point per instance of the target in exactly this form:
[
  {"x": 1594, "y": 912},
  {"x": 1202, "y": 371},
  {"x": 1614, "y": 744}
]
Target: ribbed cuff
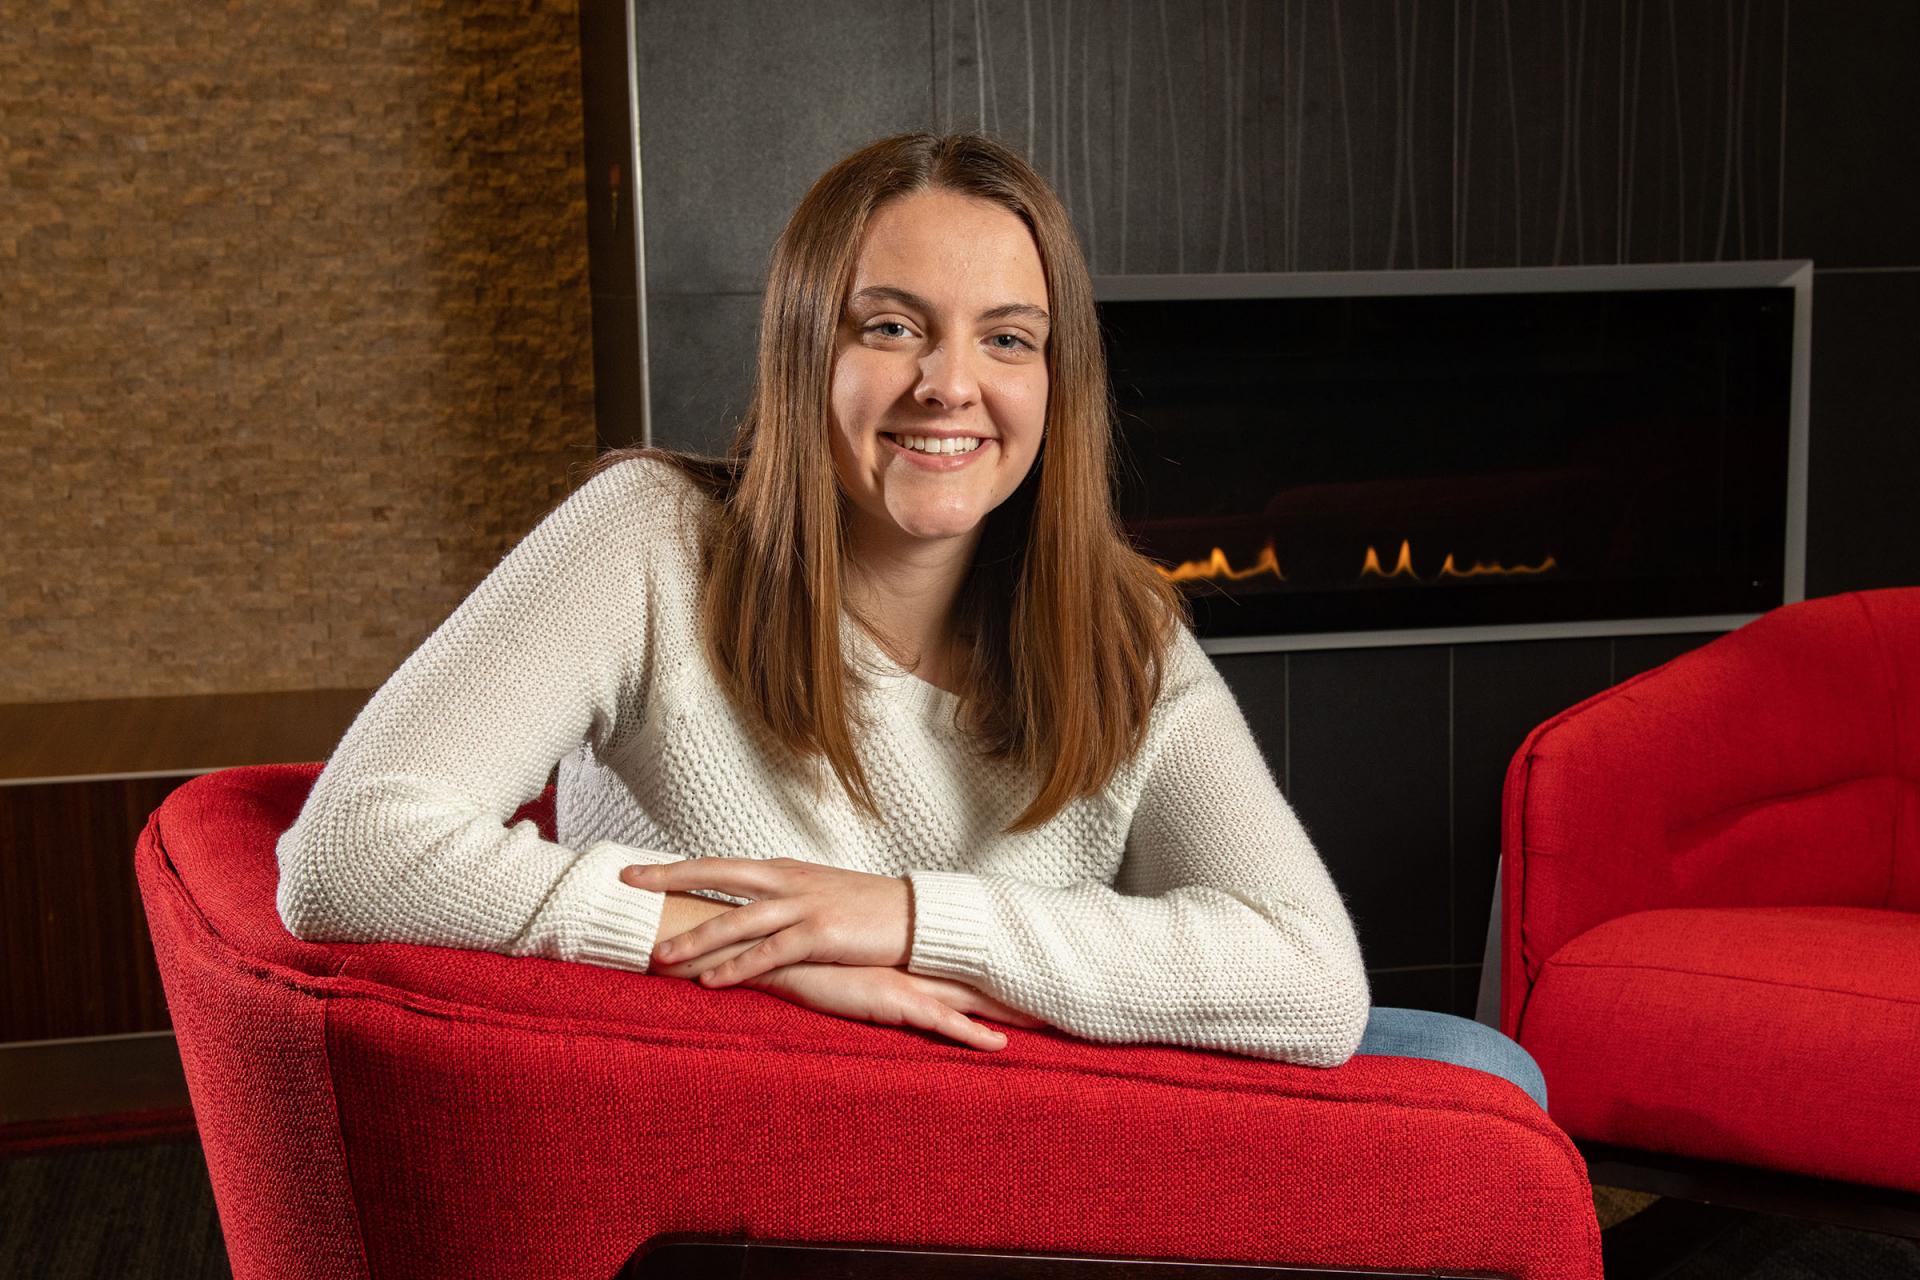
[
  {"x": 621, "y": 921},
  {"x": 952, "y": 923}
]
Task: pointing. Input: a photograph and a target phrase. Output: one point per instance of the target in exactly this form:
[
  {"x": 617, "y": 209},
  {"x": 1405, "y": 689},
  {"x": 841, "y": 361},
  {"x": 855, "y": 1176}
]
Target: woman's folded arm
[
  {"x": 1222, "y": 930},
  {"x": 404, "y": 835}
]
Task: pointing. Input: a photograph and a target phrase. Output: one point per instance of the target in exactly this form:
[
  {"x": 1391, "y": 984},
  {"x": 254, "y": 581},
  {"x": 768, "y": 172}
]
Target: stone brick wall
[{"x": 294, "y": 332}]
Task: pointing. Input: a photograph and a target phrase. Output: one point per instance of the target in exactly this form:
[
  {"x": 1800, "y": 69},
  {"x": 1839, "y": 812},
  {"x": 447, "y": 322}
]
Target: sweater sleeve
[
  {"x": 1223, "y": 928},
  {"x": 403, "y": 837}
]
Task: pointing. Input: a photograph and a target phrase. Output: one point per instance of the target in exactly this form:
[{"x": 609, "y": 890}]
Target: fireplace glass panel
[{"x": 1340, "y": 464}]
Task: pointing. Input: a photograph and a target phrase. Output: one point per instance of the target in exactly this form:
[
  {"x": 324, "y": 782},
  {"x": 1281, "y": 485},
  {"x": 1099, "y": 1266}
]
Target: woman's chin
[
  {"x": 942, "y": 533},
  {"x": 933, "y": 528}
]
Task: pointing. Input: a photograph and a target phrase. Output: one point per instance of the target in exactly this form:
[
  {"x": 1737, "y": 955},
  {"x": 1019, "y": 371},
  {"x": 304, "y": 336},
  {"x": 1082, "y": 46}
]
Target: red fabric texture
[
  {"x": 1783, "y": 1037},
  {"x": 386, "y": 1109},
  {"x": 1777, "y": 766}
]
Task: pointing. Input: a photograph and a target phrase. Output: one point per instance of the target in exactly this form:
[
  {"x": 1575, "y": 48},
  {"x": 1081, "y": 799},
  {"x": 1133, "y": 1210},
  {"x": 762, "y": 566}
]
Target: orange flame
[
  {"x": 1448, "y": 571},
  {"x": 1404, "y": 565},
  {"x": 1216, "y": 567}
]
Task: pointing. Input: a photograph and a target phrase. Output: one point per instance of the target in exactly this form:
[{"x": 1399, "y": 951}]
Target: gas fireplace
[{"x": 1400, "y": 457}]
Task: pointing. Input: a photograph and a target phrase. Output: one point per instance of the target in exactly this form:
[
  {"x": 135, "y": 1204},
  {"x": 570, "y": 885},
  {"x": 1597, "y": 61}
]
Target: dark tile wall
[{"x": 1286, "y": 136}]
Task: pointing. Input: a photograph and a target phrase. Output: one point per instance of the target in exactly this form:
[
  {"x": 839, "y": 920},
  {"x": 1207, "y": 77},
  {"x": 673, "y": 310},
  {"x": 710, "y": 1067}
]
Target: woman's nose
[{"x": 947, "y": 379}]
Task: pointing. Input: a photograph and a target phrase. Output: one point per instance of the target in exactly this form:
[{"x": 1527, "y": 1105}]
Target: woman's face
[{"x": 943, "y": 335}]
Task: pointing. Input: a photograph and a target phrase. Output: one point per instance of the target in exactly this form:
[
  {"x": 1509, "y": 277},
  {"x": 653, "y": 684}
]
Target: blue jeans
[{"x": 1418, "y": 1033}]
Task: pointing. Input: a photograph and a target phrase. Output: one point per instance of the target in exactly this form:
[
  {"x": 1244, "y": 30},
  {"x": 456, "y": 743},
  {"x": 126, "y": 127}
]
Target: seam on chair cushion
[
  {"x": 1533, "y": 745},
  {"x": 1728, "y": 977},
  {"x": 340, "y": 1133},
  {"x": 1673, "y": 827}
]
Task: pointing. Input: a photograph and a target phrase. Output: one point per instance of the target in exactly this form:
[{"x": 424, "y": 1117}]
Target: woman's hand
[
  {"x": 894, "y": 997},
  {"x": 800, "y": 911}
]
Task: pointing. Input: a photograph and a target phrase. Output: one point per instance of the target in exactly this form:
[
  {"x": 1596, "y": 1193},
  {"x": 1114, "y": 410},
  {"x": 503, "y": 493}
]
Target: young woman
[{"x": 881, "y": 713}]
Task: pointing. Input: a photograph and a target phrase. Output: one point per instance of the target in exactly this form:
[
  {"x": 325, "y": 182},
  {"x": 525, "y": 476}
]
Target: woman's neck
[{"x": 907, "y": 590}]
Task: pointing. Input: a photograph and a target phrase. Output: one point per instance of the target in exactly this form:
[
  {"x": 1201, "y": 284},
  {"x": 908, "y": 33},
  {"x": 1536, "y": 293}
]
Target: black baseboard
[{"x": 686, "y": 1257}]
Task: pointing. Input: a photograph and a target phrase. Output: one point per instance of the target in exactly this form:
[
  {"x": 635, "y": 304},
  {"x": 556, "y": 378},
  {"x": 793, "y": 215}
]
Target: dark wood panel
[
  {"x": 684, "y": 1256},
  {"x": 47, "y": 1084},
  {"x": 184, "y": 735},
  {"x": 78, "y": 957},
  {"x": 78, "y": 960}
]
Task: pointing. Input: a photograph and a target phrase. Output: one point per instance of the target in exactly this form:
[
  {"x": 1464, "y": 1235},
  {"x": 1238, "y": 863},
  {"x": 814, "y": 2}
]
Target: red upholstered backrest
[
  {"x": 1778, "y": 765},
  {"x": 223, "y": 828},
  {"x": 212, "y": 843}
]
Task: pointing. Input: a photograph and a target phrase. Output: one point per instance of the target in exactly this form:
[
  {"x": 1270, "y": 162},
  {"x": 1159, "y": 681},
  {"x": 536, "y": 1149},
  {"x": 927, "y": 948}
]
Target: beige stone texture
[{"x": 294, "y": 332}]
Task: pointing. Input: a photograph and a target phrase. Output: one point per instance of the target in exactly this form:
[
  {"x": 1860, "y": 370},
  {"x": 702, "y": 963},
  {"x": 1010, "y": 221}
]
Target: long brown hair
[{"x": 1067, "y": 628}]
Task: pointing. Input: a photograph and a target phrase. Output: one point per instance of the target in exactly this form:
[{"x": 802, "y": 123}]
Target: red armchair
[
  {"x": 394, "y": 1109},
  {"x": 1711, "y": 910}
]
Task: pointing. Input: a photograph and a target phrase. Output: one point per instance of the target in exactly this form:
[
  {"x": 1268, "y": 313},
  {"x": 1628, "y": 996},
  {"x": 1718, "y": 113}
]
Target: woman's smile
[{"x": 935, "y": 454}]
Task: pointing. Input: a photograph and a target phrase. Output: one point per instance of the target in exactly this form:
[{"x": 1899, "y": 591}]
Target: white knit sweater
[{"x": 1184, "y": 905}]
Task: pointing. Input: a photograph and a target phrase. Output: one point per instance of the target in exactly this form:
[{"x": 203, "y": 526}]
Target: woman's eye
[
  {"x": 1018, "y": 341},
  {"x": 886, "y": 324}
]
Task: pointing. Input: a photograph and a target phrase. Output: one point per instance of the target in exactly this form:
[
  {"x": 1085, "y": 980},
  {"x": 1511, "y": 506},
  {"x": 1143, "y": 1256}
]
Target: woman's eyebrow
[{"x": 1005, "y": 311}]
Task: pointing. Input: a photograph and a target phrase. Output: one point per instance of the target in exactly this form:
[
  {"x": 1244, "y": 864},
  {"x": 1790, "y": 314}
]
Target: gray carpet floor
[
  {"x": 147, "y": 1211},
  {"x": 1782, "y": 1249},
  {"x": 136, "y": 1211}
]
